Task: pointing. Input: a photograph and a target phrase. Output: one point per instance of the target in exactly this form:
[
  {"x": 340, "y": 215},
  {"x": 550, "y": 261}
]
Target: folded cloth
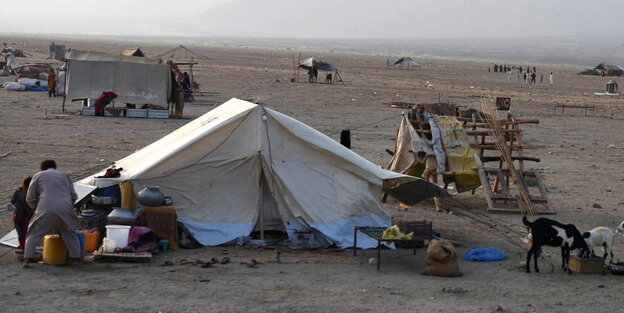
[{"x": 484, "y": 254}]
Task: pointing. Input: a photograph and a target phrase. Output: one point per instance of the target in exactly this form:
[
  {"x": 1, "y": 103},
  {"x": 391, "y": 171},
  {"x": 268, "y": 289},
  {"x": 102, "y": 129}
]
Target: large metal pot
[
  {"x": 121, "y": 216},
  {"x": 150, "y": 195}
]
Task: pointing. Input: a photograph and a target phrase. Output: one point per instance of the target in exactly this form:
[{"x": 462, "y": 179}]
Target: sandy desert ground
[{"x": 581, "y": 162}]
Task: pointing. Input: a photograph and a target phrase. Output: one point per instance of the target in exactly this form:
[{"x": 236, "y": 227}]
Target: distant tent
[
  {"x": 243, "y": 167},
  {"x": 318, "y": 63},
  {"x": 133, "y": 79},
  {"x": 406, "y": 60},
  {"x": 609, "y": 70},
  {"x": 133, "y": 52},
  {"x": 57, "y": 52}
]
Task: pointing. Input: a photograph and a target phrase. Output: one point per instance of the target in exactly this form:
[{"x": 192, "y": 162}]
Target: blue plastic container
[{"x": 81, "y": 239}]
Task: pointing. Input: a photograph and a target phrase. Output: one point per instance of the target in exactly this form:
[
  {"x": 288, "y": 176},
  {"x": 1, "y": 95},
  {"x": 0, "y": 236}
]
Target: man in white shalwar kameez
[{"x": 52, "y": 195}]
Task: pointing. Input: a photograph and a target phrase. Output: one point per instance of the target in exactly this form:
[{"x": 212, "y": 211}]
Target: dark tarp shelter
[
  {"x": 610, "y": 70},
  {"x": 406, "y": 60},
  {"x": 318, "y": 63}
]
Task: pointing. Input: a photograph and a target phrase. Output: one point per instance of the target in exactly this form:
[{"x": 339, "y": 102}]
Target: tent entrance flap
[{"x": 268, "y": 218}]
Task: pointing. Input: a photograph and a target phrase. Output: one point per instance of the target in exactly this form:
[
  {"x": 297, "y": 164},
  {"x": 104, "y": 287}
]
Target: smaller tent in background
[
  {"x": 134, "y": 79},
  {"x": 405, "y": 62},
  {"x": 313, "y": 65},
  {"x": 320, "y": 65},
  {"x": 133, "y": 53},
  {"x": 57, "y": 52}
]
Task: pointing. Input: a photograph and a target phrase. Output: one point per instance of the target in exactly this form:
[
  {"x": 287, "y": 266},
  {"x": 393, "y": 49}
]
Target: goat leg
[
  {"x": 565, "y": 253},
  {"x": 528, "y": 260}
]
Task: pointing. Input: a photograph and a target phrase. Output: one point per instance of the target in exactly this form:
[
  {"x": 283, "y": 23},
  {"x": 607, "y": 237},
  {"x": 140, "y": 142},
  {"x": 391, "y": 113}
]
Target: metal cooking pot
[{"x": 103, "y": 201}]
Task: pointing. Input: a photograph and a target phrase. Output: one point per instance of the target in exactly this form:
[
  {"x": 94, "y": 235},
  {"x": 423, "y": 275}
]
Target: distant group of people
[
  {"x": 529, "y": 76},
  {"x": 44, "y": 204}
]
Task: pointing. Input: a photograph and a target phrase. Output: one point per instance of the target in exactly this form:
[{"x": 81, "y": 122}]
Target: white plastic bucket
[{"x": 119, "y": 233}]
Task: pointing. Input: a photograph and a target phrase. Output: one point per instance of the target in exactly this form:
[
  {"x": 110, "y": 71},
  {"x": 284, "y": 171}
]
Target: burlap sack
[{"x": 441, "y": 259}]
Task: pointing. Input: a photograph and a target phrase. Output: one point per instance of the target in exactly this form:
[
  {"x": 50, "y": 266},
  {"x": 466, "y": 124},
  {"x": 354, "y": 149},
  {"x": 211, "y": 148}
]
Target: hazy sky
[{"x": 319, "y": 18}]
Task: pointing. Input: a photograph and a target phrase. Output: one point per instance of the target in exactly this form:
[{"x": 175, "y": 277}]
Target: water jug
[{"x": 54, "y": 250}]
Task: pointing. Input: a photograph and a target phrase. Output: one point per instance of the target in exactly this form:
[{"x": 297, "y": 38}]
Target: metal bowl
[
  {"x": 616, "y": 268},
  {"x": 167, "y": 201}
]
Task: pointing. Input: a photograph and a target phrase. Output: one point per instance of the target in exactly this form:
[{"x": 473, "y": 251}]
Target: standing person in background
[
  {"x": 51, "y": 83},
  {"x": 541, "y": 78},
  {"x": 23, "y": 213},
  {"x": 533, "y": 76},
  {"x": 509, "y": 75},
  {"x": 551, "y": 78},
  {"x": 534, "y": 69},
  {"x": 52, "y": 194}
]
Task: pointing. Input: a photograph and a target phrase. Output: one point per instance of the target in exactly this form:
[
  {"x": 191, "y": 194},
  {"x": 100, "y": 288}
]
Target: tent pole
[
  {"x": 65, "y": 86},
  {"x": 298, "y": 62},
  {"x": 260, "y": 206},
  {"x": 294, "y": 65}
]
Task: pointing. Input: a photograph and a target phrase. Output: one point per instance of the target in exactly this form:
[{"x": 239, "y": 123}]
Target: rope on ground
[{"x": 482, "y": 220}]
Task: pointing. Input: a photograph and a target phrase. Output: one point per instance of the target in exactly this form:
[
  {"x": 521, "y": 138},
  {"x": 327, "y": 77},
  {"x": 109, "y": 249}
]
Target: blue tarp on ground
[
  {"x": 484, "y": 254},
  {"x": 35, "y": 88}
]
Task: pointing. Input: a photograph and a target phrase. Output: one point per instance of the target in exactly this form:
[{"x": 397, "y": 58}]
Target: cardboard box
[{"x": 586, "y": 265}]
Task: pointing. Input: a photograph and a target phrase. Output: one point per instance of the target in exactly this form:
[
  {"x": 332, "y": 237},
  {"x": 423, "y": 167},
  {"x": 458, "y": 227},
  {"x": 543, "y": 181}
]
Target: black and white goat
[
  {"x": 600, "y": 236},
  {"x": 547, "y": 232}
]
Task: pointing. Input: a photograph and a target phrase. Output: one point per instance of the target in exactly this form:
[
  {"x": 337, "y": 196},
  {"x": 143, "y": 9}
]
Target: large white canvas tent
[
  {"x": 134, "y": 79},
  {"x": 242, "y": 167}
]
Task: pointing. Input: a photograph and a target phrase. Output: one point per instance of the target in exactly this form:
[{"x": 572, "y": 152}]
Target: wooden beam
[
  {"x": 491, "y": 146},
  {"x": 488, "y": 133},
  {"x": 501, "y": 121}
]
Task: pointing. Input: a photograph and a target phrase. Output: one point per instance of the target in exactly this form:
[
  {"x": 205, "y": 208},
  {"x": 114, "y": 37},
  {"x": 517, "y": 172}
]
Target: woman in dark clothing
[{"x": 23, "y": 213}]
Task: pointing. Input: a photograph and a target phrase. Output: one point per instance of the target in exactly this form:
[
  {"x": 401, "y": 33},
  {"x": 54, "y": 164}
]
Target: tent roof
[
  {"x": 318, "y": 63},
  {"x": 82, "y": 55}
]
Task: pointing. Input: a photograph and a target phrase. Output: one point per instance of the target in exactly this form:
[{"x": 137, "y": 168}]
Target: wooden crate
[{"x": 586, "y": 265}]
